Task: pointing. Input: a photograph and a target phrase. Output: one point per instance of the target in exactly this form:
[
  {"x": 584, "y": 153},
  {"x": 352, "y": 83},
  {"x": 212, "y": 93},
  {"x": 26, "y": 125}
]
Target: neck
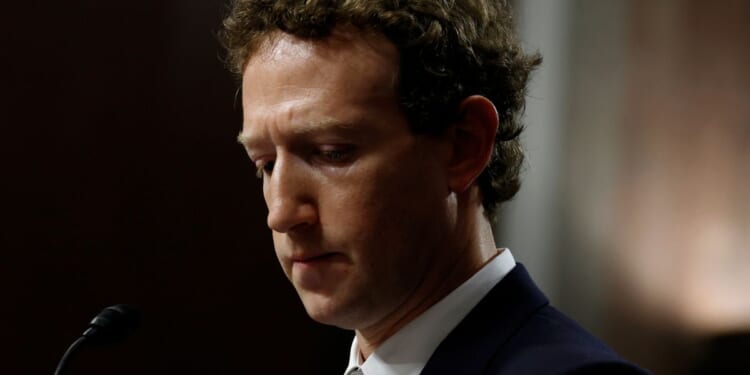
[{"x": 474, "y": 247}]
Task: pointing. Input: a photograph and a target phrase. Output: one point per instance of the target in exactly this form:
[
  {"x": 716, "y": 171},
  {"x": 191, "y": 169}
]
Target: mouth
[
  {"x": 317, "y": 272},
  {"x": 313, "y": 258}
]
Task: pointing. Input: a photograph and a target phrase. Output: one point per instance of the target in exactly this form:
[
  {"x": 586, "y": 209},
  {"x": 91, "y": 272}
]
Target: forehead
[
  {"x": 340, "y": 75},
  {"x": 342, "y": 41}
]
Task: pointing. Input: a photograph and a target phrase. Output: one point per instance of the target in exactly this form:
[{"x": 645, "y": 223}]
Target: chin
[{"x": 325, "y": 311}]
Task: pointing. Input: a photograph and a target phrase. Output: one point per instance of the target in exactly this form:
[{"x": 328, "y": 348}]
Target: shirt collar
[{"x": 407, "y": 351}]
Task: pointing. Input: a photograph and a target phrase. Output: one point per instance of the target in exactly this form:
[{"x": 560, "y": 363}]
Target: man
[{"x": 386, "y": 132}]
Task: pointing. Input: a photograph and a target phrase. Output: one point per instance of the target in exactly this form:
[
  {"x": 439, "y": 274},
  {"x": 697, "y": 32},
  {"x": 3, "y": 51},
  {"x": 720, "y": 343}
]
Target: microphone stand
[{"x": 69, "y": 354}]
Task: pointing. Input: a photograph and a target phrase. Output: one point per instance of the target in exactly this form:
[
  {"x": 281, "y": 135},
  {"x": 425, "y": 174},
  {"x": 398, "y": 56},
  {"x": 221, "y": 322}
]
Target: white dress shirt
[{"x": 407, "y": 351}]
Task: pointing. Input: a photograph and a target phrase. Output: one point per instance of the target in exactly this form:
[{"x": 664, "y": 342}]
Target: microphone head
[{"x": 113, "y": 324}]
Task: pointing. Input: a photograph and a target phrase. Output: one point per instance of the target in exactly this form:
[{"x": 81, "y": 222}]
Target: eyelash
[
  {"x": 265, "y": 167},
  {"x": 335, "y": 156}
]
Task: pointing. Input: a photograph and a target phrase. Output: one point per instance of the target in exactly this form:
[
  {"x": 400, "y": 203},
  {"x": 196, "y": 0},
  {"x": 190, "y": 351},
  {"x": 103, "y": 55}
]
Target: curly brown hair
[{"x": 448, "y": 49}]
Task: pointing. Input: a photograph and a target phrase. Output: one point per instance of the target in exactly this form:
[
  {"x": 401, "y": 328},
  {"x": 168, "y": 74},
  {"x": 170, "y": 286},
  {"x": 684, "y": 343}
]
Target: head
[
  {"x": 448, "y": 50},
  {"x": 370, "y": 123}
]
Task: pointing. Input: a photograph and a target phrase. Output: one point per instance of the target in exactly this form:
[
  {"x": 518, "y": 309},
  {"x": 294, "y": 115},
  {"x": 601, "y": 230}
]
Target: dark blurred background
[{"x": 121, "y": 182}]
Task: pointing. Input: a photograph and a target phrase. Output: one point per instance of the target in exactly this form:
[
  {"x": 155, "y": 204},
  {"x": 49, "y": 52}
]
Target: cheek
[
  {"x": 388, "y": 209},
  {"x": 384, "y": 201},
  {"x": 349, "y": 215}
]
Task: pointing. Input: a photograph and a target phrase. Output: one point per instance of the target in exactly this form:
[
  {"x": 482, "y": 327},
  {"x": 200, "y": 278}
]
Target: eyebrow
[{"x": 310, "y": 128}]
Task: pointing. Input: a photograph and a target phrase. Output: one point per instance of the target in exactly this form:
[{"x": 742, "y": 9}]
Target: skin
[{"x": 371, "y": 223}]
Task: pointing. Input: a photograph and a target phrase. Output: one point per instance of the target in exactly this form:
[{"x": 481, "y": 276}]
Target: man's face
[{"x": 357, "y": 204}]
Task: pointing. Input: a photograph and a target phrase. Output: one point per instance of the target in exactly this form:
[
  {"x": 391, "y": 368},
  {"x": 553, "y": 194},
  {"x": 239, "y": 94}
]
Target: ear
[{"x": 473, "y": 141}]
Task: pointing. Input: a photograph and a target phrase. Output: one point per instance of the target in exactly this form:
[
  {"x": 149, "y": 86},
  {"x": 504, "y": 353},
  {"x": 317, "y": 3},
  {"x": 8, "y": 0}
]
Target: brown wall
[
  {"x": 681, "y": 263},
  {"x": 122, "y": 183}
]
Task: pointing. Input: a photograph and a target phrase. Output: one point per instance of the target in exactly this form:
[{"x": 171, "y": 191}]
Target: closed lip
[{"x": 303, "y": 258}]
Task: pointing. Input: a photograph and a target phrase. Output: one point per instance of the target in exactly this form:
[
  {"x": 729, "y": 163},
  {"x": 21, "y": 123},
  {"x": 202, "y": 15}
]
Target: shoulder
[
  {"x": 551, "y": 343},
  {"x": 514, "y": 330}
]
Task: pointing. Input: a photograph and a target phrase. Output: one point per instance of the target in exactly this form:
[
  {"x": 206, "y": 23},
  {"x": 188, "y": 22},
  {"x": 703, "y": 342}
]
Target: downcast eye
[
  {"x": 338, "y": 154},
  {"x": 334, "y": 155},
  {"x": 266, "y": 167}
]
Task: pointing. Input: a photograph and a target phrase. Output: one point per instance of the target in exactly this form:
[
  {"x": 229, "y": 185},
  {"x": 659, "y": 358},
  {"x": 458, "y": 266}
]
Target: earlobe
[{"x": 473, "y": 141}]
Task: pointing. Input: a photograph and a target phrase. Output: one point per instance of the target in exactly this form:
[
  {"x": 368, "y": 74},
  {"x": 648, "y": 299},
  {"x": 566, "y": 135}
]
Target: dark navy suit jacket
[{"x": 514, "y": 330}]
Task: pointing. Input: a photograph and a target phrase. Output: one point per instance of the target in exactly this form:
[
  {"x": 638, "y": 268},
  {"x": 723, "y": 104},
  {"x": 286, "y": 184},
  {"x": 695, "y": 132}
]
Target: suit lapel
[{"x": 472, "y": 344}]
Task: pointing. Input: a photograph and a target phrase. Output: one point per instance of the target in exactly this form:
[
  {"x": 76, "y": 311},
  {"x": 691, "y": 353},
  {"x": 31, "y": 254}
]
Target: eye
[
  {"x": 335, "y": 155},
  {"x": 263, "y": 168}
]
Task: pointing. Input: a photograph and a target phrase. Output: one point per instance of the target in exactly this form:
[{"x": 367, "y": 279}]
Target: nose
[{"x": 289, "y": 194}]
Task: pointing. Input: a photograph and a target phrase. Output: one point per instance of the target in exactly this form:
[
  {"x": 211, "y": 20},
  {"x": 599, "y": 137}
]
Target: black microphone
[{"x": 111, "y": 325}]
